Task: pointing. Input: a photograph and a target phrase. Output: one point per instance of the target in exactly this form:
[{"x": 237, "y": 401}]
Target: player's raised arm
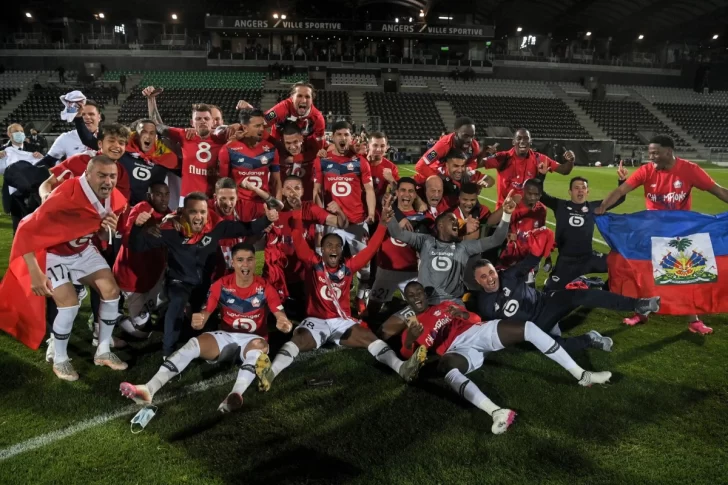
[
  {"x": 501, "y": 230},
  {"x": 564, "y": 168},
  {"x": 151, "y": 93}
]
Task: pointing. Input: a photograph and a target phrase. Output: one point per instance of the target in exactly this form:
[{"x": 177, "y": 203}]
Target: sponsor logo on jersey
[{"x": 585, "y": 209}]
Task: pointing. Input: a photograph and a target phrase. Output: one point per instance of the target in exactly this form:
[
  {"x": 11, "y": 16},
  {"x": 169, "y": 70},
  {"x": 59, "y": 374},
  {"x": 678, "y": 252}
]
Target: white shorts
[
  {"x": 387, "y": 281},
  {"x": 236, "y": 339},
  {"x": 475, "y": 342},
  {"x": 140, "y": 305},
  {"x": 70, "y": 269},
  {"x": 356, "y": 235},
  {"x": 329, "y": 330}
]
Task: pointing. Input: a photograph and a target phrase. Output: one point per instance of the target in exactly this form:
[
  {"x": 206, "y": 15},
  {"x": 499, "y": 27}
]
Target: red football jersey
[
  {"x": 75, "y": 166},
  {"x": 256, "y": 164},
  {"x": 397, "y": 256},
  {"x": 524, "y": 220},
  {"x": 479, "y": 212},
  {"x": 312, "y": 126},
  {"x": 77, "y": 246},
  {"x": 670, "y": 189},
  {"x": 243, "y": 310},
  {"x": 380, "y": 183},
  {"x": 134, "y": 271},
  {"x": 199, "y": 162},
  {"x": 451, "y": 187},
  {"x": 304, "y": 170},
  {"x": 513, "y": 170},
  {"x": 280, "y": 237},
  {"x": 440, "y": 328},
  {"x": 342, "y": 179},
  {"x": 430, "y": 161},
  {"x": 225, "y": 257},
  {"x": 327, "y": 290}
]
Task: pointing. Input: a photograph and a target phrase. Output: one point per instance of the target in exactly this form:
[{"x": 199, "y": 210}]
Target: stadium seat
[
  {"x": 406, "y": 116},
  {"x": 707, "y": 123},
  {"x": 353, "y": 79},
  {"x": 497, "y": 87}
]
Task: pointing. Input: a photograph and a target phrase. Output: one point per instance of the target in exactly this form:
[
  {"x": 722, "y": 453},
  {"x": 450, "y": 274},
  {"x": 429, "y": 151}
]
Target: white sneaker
[
  {"x": 589, "y": 378},
  {"x": 599, "y": 341},
  {"x": 50, "y": 350},
  {"x": 64, "y": 370},
  {"x": 110, "y": 360},
  {"x": 502, "y": 420}
]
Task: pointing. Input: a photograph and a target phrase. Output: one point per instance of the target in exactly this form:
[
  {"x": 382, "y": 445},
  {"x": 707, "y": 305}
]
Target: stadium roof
[{"x": 657, "y": 20}]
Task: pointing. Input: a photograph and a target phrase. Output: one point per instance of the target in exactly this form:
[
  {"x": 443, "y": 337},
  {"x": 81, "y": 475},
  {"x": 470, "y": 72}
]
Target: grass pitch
[{"x": 662, "y": 420}]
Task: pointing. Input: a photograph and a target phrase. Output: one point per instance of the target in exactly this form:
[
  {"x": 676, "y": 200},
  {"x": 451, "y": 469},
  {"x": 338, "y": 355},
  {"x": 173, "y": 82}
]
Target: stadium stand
[
  {"x": 195, "y": 79},
  {"x": 175, "y": 104},
  {"x": 18, "y": 79},
  {"x": 655, "y": 94},
  {"x": 295, "y": 78},
  {"x": 544, "y": 118},
  {"x": 617, "y": 91},
  {"x": 414, "y": 81},
  {"x": 622, "y": 119},
  {"x": 574, "y": 89},
  {"x": 490, "y": 87},
  {"x": 708, "y": 124},
  {"x": 6, "y": 94},
  {"x": 44, "y": 105},
  {"x": 353, "y": 79},
  {"x": 406, "y": 116}
]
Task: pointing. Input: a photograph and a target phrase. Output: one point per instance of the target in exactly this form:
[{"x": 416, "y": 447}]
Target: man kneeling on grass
[
  {"x": 327, "y": 284},
  {"x": 462, "y": 341},
  {"x": 244, "y": 300}
]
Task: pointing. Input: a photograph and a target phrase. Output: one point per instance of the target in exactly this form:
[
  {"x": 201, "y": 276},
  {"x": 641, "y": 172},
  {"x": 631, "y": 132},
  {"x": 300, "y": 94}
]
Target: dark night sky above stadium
[{"x": 659, "y": 20}]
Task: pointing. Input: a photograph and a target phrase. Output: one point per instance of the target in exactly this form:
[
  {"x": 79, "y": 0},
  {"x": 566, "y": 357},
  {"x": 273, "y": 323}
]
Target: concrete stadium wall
[{"x": 163, "y": 61}]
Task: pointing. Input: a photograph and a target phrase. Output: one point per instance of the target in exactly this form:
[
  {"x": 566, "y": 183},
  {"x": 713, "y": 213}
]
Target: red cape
[{"x": 68, "y": 214}]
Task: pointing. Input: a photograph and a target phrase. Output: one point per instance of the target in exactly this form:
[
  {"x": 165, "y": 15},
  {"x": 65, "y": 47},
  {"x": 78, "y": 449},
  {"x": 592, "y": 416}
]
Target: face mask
[
  {"x": 142, "y": 418},
  {"x": 18, "y": 137}
]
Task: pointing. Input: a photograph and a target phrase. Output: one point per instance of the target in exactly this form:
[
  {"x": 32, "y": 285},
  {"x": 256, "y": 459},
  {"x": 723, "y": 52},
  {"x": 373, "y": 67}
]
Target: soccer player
[
  {"x": 251, "y": 160},
  {"x": 187, "y": 253},
  {"x": 112, "y": 143},
  {"x": 384, "y": 172},
  {"x": 668, "y": 182},
  {"x": 199, "y": 154},
  {"x": 471, "y": 214},
  {"x": 462, "y": 341},
  {"x": 396, "y": 261},
  {"x": 433, "y": 194},
  {"x": 77, "y": 262},
  {"x": 329, "y": 278},
  {"x": 69, "y": 143},
  {"x": 298, "y": 107},
  {"x": 454, "y": 173},
  {"x": 461, "y": 140},
  {"x": 521, "y": 163},
  {"x": 244, "y": 301},
  {"x": 507, "y": 294},
  {"x": 443, "y": 257},
  {"x": 140, "y": 275},
  {"x": 347, "y": 180},
  {"x": 530, "y": 214},
  {"x": 297, "y": 162},
  {"x": 226, "y": 205},
  {"x": 575, "y": 232}
]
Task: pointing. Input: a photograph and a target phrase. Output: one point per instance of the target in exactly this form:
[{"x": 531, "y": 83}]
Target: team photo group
[{"x": 164, "y": 229}]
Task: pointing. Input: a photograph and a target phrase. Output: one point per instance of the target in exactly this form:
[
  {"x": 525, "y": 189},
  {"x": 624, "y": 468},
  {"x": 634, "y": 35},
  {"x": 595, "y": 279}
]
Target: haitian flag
[
  {"x": 71, "y": 212},
  {"x": 681, "y": 256}
]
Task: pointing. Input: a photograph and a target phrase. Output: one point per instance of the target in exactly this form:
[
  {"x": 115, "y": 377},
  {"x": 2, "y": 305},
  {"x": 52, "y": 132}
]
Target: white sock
[
  {"x": 174, "y": 364},
  {"x": 384, "y": 354},
  {"x": 108, "y": 314},
  {"x": 551, "y": 349},
  {"x": 470, "y": 392},
  {"x": 62, "y": 326},
  {"x": 284, "y": 357},
  {"x": 246, "y": 374}
]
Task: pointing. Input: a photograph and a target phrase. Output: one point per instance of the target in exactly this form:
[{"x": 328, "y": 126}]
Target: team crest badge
[
  {"x": 684, "y": 260},
  {"x": 264, "y": 160},
  {"x": 678, "y": 184},
  {"x": 206, "y": 240},
  {"x": 437, "y": 313},
  {"x": 535, "y": 225},
  {"x": 585, "y": 209},
  {"x": 350, "y": 166},
  {"x": 340, "y": 274},
  {"x": 271, "y": 116},
  {"x": 255, "y": 302}
]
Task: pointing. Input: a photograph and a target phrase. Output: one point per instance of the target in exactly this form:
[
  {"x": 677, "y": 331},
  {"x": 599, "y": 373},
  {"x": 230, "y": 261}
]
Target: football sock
[
  {"x": 108, "y": 314},
  {"x": 62, "y": 326},
  {"x": 174, "y": 364},
  {"x": 384, "y": 354},
  {"x": 284, "y": 357},
  {"x": 551, "y": 349},
  {"x": 470, "y": 392},
  {"x": 246, "y": 374}
]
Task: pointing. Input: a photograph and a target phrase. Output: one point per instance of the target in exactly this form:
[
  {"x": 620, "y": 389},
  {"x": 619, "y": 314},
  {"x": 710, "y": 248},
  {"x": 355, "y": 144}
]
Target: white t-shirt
[
  {"x": 69, "y": 143},
  {"x": 12, "y": 155}
]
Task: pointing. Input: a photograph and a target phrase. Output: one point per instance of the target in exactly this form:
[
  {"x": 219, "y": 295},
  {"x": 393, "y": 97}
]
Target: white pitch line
[
  {"x": 54, "y": 436},
  {"x": 495, "y": 202}
]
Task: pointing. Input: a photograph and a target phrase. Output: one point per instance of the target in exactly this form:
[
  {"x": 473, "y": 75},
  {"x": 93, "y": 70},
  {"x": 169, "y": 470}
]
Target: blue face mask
[
  {"x": 142, "y": 418},
  {"x": 18, "y": 137}
]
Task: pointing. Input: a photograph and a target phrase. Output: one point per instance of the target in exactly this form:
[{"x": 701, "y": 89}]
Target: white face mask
[{"x": 18, "y": 137}]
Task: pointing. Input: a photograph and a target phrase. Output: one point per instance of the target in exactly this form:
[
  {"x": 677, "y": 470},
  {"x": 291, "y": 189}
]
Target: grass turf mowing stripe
[
  {"x": 54, "y": 436},
  {"x": 495, "y": 202}
]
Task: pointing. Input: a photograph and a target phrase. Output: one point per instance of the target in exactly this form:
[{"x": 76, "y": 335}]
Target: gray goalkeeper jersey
[{"x": 442, "y": 264}]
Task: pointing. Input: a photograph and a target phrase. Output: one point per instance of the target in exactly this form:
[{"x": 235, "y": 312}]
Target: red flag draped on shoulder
[{"x": 71, "y": 212}]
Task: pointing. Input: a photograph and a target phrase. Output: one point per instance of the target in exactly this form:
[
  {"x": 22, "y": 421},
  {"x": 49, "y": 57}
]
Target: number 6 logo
[
  {"x": 254, "y": 181},
  {"x": 245, "y": 324},
  {"x": 142, "y": 173},
  {"x": 576, "y": 221},
  {"x": 341, "y": 189},
  {"x": 510, "y": 308},
  {"x": 441, "y": 263},
  {"x": 79, "y": 242},
  {"x": 397, "y": 242},
  {"x": 325, "y": 293}
]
